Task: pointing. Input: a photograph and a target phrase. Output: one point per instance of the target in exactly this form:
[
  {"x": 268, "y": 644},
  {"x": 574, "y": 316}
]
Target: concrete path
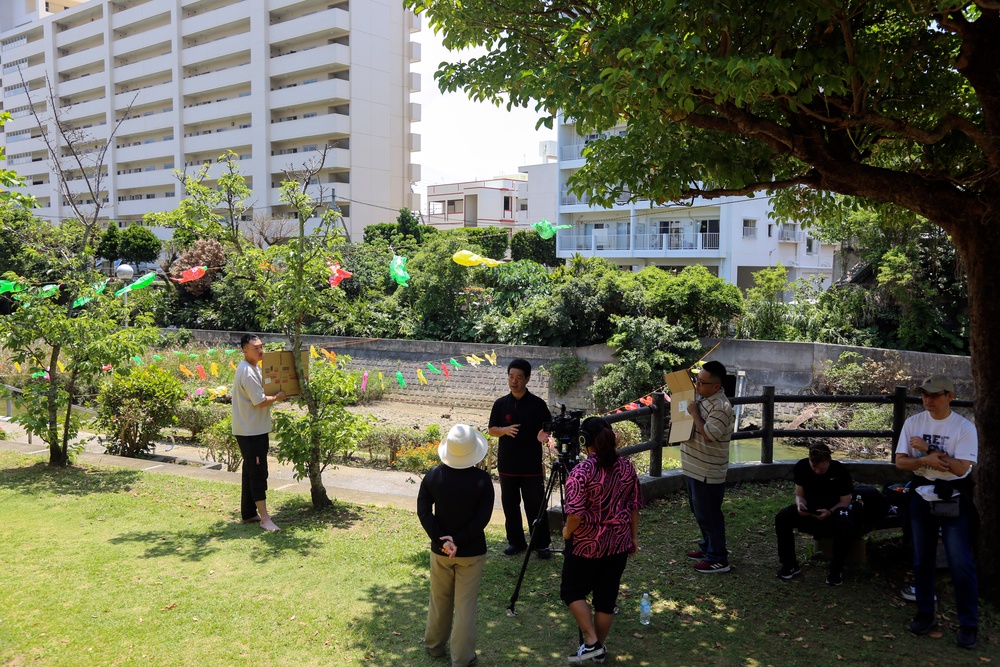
[{"x": 362, "y": 486}]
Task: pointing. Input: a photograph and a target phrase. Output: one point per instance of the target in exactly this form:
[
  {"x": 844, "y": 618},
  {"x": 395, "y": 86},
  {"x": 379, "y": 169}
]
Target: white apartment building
[
  {"x": 510, "y": 202},
  {"x": 272, "y": 80},
  {"x": 732, "y": 236}
]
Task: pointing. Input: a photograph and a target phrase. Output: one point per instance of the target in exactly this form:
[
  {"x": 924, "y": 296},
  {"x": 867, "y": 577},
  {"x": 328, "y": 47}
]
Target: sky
[{"x": 462, "y": 140}]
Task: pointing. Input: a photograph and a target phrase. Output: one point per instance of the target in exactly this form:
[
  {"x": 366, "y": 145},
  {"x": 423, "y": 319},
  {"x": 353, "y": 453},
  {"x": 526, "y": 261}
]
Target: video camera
[{"x": 565, "y": 429}]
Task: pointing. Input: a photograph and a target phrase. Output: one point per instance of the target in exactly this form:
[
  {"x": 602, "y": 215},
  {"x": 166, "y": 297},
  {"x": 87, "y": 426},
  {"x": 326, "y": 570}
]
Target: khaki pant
[{"x": 454, "y": 587}]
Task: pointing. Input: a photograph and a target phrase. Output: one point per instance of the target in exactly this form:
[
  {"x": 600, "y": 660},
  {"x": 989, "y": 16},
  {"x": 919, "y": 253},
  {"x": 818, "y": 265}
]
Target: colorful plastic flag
[
  {"x": 137, "y": 359},
  {"x": 201, "y": 372},
  {"x": 106, "y": 367},
  {"x": 546, "y": 229},
  {"x": 364, "y": 382},
  {"x": 157, "y": 357},
  {"x": 397, "y": 270},
  {"x": 194, "y": 273},
  {"x": 381, "y": 381},
  {"x": 313, "y": 353},
  {"x": 38, "y": 374},
  {"x": 230, "y": 351},
  {"x": 144, "y": 281},
  {"x": 444, "y": 367},
  {"x": 492, "y": 357},
  {"x": 330, "y": 356},
  {"x": 98, "y": 288},
  {"x": 10, "y": 286},
  {"x": 61, "y": 367},
  {"x": 186, "y": 372},
  {"x": 646, "y": 400},
  {"x": 454, "y": 363},
  {"x": 214, "y": 369},
  {"x": 45, "y": 292},
  {"x": 473, "y": 360},
  {"x": 420, "y": 376},
  {"x": 178, "y": 352},
  {"x": 17, "y": 366},
  {"x": 193, "y": 355},
  {"x": 433, "y": 368},
  {"x": 400, "y": 380},
  {"x": 209, "y": 351},
  {"x": 232, "y": 365},
  {"x": 469, "y": 258},
  {"x": 632, "y": 406},
  {"x": 337, "y": 274}
]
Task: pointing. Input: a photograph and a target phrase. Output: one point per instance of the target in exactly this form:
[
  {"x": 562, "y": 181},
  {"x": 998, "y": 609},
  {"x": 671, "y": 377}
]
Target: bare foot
[
  {"x": 269, "y": 525},
  {"x": 253, "y": 520}
]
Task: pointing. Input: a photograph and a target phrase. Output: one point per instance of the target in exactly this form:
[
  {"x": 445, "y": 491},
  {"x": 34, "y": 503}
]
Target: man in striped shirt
[{"x": 704, "y": 462}]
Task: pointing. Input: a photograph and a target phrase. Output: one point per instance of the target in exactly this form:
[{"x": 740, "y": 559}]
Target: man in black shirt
[
  {"x": 516, "y": 419},
  {"x": 455, "y": 502},
  {"x": 823, "y": 490}
]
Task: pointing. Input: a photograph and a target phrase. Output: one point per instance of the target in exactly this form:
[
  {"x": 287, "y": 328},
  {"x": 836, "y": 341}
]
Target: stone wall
[{"x": 790, "y": 367}]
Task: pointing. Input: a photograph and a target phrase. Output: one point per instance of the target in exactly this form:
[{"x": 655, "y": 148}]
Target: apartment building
[
  {"x": 511, "y": 202},
  {"x": 732, "y": 236},
  {"x": 182, "y": 81}
]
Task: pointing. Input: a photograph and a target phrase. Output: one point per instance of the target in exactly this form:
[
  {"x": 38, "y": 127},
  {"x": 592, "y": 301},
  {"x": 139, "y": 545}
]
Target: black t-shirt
[
  {"x": 456, "y": 502},
  {"x": 521, "y": 454},
  {"x": 823, "y": 491}
]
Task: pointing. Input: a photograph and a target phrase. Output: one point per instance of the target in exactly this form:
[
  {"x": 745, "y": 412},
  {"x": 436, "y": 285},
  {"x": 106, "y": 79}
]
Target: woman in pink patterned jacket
[{"x": 602, "y": 523}]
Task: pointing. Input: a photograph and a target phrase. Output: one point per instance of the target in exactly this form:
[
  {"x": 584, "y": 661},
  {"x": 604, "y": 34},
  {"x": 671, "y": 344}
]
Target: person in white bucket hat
[{"x": 454, "y": 504}]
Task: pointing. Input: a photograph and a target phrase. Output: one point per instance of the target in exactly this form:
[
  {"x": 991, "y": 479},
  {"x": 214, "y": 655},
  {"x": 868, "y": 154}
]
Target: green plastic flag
[
  {"x": 454, "y": 363},
  {"x": 10, "y": 286},
  {"x": 399, "y": 379},
  {"x": 397, "y": 269},
  {"x": 98, "y": 288},
  {"x": 433, "y": 368},
  {"x": 137, "y": 359},
  {"x": 546, "y": 229}
]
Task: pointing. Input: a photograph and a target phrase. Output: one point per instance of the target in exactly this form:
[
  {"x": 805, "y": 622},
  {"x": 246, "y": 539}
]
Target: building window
[
  {"x": 508, "y": 204},
  {"x": 523, "y": 206},
  {"x": 437, "y": 208},
  {"x": 455, "y": 206},
  {"x": 749, "y": 228},
  {"x": 770, "y": 230},
  {"x": 810, "y": 245}
]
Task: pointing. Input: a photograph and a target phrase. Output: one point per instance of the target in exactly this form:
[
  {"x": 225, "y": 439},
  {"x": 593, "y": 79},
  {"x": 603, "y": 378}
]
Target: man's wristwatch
[{"x": 933, "y": 448}]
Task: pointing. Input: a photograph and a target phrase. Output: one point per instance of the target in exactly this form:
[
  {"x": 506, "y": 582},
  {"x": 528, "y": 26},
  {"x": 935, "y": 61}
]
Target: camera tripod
[{"x": 558, "y": 473}]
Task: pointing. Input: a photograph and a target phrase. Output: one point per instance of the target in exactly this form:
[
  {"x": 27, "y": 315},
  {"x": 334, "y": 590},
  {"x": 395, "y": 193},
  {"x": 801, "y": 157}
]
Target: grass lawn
[{"x": 106, "y": 566}]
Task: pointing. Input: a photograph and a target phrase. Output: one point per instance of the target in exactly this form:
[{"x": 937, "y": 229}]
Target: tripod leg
[{"x": 542, "y": 515}]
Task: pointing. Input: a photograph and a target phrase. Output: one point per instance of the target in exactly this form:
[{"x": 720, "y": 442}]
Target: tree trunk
[
  {"x": 57, "y": 457},
  {"x": 316, "y": 489},
  {"x": 979, "y": 241}
]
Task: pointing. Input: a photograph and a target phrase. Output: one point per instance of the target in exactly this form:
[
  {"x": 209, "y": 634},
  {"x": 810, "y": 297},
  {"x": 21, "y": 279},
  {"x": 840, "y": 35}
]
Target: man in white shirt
[
  {"x": 251, "y": 426},
  {"x": 940, "y": 447}
]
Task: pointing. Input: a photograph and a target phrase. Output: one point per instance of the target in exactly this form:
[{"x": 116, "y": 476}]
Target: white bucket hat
[{"x": 463, "y": 447}]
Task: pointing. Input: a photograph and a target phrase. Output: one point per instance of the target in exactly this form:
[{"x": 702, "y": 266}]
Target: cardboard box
[
  {"x": 278, "y": 373},
  {"x": 681, "y": 395}
]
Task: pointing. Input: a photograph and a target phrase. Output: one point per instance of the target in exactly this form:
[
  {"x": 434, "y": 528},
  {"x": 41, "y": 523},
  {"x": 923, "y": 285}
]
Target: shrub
[
  {"x": 432, "y": 432},
  {"x": 135, "y": 406},
  {"x": 627, "y": 433},
  {"x": 855, "y": 375},
  {"x": 566, "y": 372},
  {"x": 385, "y": 442},
  {"x": 198, "y": 415},
  {"x": 418, "y": 458},
  {"x": 220, "y": 444}
]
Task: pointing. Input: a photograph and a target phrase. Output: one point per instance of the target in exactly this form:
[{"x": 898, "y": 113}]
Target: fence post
[
  {"x": 656, "y": 428},
  {"x": 767, "y": 430},
  {"x": 898, "y": 417}
]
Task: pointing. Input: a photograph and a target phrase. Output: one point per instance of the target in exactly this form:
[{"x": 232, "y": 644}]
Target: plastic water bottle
[{"x": 644, "y": 609}]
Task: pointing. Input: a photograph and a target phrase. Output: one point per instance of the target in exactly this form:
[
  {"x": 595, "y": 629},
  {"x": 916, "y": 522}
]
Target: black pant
[
  {"x": 532, "y": 489},
  {"x": 840, "y": 528},
  {"x": 254, "y": 451}
]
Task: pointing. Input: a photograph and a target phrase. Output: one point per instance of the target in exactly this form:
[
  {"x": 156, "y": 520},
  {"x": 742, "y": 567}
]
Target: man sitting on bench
[{"x": 823, "y": 490}]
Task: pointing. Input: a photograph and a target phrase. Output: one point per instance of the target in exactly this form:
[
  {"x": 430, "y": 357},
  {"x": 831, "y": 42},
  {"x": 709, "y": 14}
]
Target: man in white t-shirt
[
  {"x": 251, "y": 426},
  {"x": 940, "y": 447}
]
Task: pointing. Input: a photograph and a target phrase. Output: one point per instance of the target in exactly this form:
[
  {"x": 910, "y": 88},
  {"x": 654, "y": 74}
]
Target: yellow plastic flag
[
  {"x": 61, "y": 366},
  {"x": 185, "y": 370},
  {"x": 17, "y": 366},
  {"x": 478, "y": 360},
  {"x": 214, "y": 369},
  {"x": 473, "y": 360},
  {"x": 232, "y": 365},
  {"x": 420, "y": 376},
  {"x": 313, "y": 353},
  {"x": 492, "y": 358},
  {"x": 381, "y": 381}
]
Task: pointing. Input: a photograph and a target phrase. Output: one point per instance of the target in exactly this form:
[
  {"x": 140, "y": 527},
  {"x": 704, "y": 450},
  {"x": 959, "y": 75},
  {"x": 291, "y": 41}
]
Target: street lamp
[{"x": 124, "y": 273}]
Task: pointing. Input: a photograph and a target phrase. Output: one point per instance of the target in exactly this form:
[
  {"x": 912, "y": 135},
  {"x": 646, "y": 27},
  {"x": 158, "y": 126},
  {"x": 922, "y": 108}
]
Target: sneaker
[
  {"x": 835, "y": 578},
  {"x": 789, "y": 571},
  {"x": 707, "y": 567},
  {"x": 697, "y": 554},
  {"x": 585, "y": 653},
  {"x": 923, "y": 623},
  {"x": 910, "y": 593},
  {"x": 966, "y": 637},
  {"x": 544, "y": 554},
  {"x": 511, "y": 550}
]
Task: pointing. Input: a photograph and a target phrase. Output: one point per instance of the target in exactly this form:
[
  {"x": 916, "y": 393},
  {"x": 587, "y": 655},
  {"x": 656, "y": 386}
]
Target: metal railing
[{"x": 659, "y": 422}]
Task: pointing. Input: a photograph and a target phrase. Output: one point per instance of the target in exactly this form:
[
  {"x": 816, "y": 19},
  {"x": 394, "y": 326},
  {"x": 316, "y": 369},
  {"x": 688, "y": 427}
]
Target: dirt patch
[{"x": 420, "y": 415}]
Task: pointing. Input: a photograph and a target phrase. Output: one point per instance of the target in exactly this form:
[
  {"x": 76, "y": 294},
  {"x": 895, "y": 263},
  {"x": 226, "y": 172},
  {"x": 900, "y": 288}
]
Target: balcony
[
  {"x": 147, "y": 95},
  {"x": 141, "y": 207},
  {"x": 330, "y": 24},
  {"x": 157, "y": 149},
  {"x": 85, "y": 109},
  {"x": 571, "y": 152},
  {"x": 137, "y": 14},
  {"x": 791, "y": 236},
  {"x": 84, "y": 84},
  {"x": 218, "y": 141},
  {"x": 79, "y": 59},
  {"x": 601, "y": 243},
  {"x": 329, "y": 91},
  {"x": 336, "y": 158},
  {"x": 215, "y": 19},
  {"x": 324, "y": 57},
  {"x": 342, "y": 190},
  {"x": 160, "y": 178},
  {"x": 230, "y": 108},
  {"x": 232, "y": 76},
  {"x": 79, "y": 33},
  {"x": 317, "y": 126},
  {"x": 225, "y": 47},
  {"x": 141, "y": 40},
  {"x": 150, "y": 67}
]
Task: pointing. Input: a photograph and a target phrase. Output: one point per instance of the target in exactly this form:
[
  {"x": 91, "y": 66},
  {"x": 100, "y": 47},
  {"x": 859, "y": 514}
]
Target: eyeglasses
[
  {"x": 939, "y": 394},
  {"x": 701, "y": 382}
]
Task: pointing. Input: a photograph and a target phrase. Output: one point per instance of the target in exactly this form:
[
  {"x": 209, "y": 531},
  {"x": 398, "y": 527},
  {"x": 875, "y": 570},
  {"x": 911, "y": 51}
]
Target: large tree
[{"x": 893, "y": 104}]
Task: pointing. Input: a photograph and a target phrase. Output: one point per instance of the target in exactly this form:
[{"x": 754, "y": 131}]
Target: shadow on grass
[
  {"x": 300, "y": 527},
  {"x": 41, "y": 478}
]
